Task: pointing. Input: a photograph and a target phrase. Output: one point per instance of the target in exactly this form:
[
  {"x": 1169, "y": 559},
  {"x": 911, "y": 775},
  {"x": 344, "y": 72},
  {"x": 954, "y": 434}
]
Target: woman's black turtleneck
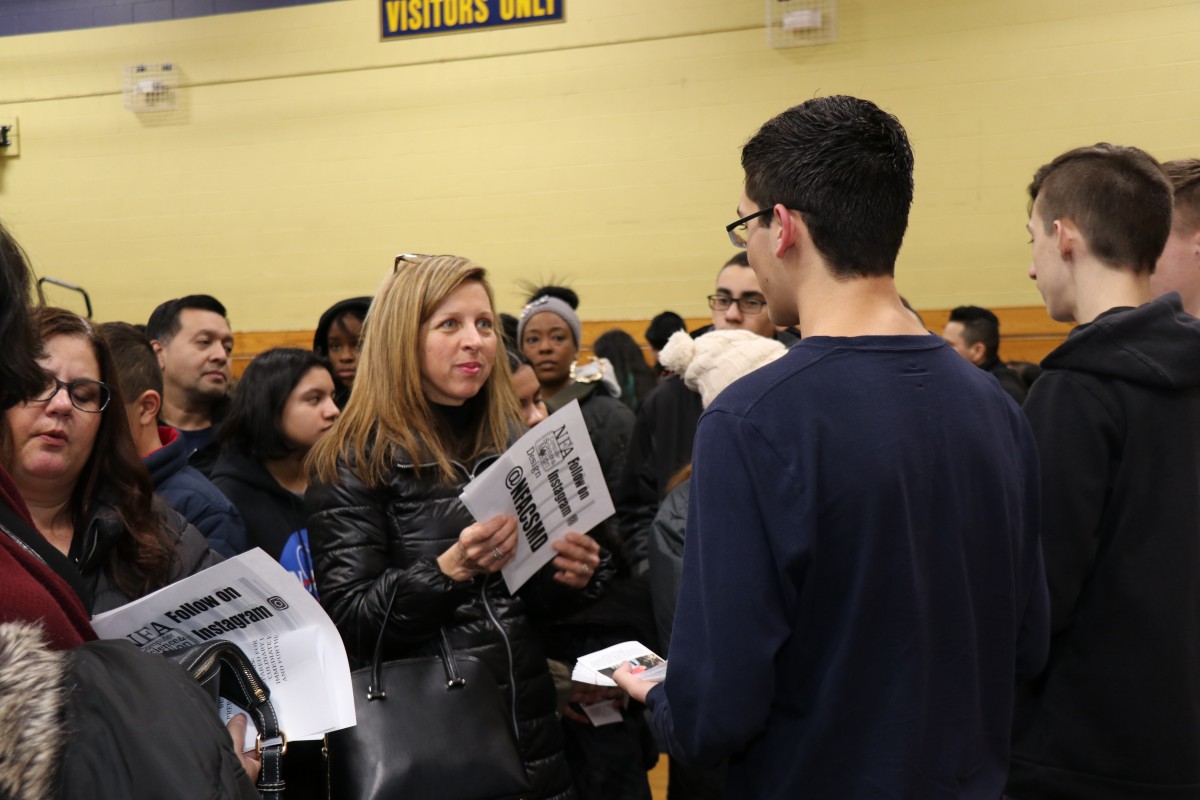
[{"x": 457, "y": 425}]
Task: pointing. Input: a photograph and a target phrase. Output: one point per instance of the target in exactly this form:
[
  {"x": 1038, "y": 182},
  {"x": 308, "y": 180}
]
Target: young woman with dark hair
[
  {"x": 635, "y": 377},
  {"x": 72, "y": 457},
  {"x": 283, "y": 406},
  {"x": 337, "y": 338}
]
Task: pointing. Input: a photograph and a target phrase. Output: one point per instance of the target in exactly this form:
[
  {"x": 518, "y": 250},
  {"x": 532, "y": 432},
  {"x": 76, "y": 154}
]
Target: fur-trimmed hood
[{"x": 31, "y": 701}]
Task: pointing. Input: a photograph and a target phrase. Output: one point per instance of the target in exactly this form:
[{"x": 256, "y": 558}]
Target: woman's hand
[
  {"x": 577, "y": 559},
  {"x": 481, "y": 548}
]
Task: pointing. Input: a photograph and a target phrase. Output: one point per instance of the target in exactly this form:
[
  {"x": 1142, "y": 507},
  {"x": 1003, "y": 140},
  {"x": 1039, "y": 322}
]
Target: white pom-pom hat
[{"x": 717, "y": 359}]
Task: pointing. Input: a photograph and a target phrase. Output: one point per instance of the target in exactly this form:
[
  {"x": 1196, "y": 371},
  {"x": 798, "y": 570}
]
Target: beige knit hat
[{"x": 717, "y": 359}]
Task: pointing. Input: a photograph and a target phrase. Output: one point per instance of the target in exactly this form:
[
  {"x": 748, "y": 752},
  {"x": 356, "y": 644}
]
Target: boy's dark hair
[
  {"x": 1118, "y": 197},
  {"x": 137, "y": 365},
  {"x": 979, "y": 325},
  {"x": 661, "y": 328},
  {"x": 847, "y": 167},
  {"x": 254, "y": 425},
  {"x": 21, "y": 376},
  {"x": 1184, "y": 174},
  {"x": 164, "y": 320},
  {"x": 738, "y": 259}
]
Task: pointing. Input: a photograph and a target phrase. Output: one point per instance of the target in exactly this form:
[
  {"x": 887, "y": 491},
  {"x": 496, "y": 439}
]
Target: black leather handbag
[
  {"x": 431, "y": 727},
  {"x": 225, "y": 671}
]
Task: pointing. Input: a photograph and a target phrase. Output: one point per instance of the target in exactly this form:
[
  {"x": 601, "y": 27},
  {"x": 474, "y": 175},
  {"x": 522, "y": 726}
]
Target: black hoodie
[{"x": 1116, "y": 415}]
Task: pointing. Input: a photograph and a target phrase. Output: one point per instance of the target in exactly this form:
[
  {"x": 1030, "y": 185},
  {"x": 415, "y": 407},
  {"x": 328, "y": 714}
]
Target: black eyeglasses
[
  {"x": 738, "y": 231},
  {"x": 747, "y": 305},
  {"x": 89, "y": 396}
]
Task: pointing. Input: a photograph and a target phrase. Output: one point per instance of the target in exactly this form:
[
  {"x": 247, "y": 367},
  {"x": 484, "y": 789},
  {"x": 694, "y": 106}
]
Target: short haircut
[
  {"x": 1184, "y": 175},
  {"x": 847, "y": 167},
  {"x": 254, "y": 425},
  {"x": 164, "y": 321},
  {"x": 661, "y": 328},
  {"x": 979, "y": 325},
  {"x": 739, "y": 259},
  {"x": 1118, "y": 197},
  {"x": 137, "y": 365}
]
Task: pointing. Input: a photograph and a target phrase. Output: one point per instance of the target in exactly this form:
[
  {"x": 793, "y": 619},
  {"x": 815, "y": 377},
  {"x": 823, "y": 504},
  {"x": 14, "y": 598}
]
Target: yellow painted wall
[{"x": 603, "y": 150}]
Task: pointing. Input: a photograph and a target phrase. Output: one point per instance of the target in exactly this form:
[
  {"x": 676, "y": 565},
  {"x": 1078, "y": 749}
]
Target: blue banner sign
[{"x": 422, "y": 17}]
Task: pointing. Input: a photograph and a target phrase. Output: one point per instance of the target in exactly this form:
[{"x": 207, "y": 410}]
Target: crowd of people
[{"x": 881, "y": 562}]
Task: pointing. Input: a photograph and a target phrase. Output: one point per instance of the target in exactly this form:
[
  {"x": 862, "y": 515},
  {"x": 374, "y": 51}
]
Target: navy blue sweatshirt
[{"x": 862, "y": 581}]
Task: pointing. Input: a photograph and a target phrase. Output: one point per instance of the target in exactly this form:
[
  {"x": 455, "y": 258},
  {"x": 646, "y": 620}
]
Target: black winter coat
[
  {"x": 106, "y": 721},
  {"x": 367, "y": 541}
]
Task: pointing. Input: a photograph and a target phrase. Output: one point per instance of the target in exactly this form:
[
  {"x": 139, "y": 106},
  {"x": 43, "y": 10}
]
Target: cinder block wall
[{"x": 603, "y": 150}]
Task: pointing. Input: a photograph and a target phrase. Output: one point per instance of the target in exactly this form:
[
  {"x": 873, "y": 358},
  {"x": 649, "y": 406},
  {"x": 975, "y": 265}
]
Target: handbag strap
[
  {"x": 376, "y": 689},
  {"x": 239, "y": 683}
]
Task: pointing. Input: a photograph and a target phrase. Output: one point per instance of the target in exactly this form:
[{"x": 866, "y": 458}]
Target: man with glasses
[
  {"x": 661, "y": 443},
  {"x": 862, "y": 579},
  {"x": 738, "y": 303}
]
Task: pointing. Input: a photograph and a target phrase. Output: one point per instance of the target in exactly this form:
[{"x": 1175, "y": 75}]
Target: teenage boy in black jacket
[{"x": 1116, "y": 415}]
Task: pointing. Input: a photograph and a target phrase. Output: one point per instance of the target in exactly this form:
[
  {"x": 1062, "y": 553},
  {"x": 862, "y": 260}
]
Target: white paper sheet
[
  {"x": 550, "y": 480},
  {"x": 597, "y": 668},
  {"x": 255, "y": 603}
]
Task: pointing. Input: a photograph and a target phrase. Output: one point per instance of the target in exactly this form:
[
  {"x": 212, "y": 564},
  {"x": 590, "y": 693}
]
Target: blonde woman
[{"x": 432, "y": 408}]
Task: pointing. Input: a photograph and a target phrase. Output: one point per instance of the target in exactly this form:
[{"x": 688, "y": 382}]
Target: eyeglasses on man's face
[
  {"x": 747, "y": 305},
  {"x": 89, "y": 396},
  {"x": 738, "y": 230}
]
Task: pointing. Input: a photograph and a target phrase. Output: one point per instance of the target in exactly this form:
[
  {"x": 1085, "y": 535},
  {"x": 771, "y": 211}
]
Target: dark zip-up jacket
[
  {"x": 1116, "y": 415},
  {"x": 368, "y": 541},
  {"x": 191, "y": 494}
]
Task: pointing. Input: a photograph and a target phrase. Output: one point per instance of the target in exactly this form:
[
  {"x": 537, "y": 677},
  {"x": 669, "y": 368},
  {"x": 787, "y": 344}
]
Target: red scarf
[{"x": 30, "y": 591}]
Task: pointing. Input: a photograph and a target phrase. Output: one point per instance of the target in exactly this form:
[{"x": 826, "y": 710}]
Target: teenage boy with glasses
[
  {"x": 862, "y": 579},
  {"x": 661, "y": 443}
]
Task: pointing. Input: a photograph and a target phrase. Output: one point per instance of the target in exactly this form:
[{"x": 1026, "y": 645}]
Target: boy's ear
[
  {"x": 149, "y": 403},
  {"x": 792, "y": 229},
  {"x": 1066, "y": 237}
]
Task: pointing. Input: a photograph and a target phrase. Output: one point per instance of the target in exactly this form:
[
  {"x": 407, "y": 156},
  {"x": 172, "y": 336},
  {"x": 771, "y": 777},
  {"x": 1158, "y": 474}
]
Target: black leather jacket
[{"x": 367, "y": 541}]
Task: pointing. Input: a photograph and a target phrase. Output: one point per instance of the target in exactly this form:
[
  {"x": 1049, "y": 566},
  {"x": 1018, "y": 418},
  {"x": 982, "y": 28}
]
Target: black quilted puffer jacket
[{"x": 367, "y": 541}]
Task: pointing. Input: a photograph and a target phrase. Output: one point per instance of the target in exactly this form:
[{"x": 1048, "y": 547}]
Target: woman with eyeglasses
[
  {"x": 395, "y": 549},
  {"x": 72, "y": 457}
]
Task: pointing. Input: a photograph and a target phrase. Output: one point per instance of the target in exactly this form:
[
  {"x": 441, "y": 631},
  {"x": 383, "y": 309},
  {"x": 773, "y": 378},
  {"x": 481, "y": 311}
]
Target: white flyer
[
  {"x": 550, "y": 480},
  {"x": 598, "y": 667},
  {"x": 255, "y": 603}
]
